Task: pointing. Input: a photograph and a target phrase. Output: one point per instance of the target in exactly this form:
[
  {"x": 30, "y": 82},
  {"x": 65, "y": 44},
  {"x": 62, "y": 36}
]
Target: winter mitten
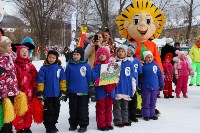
[
  {"x": 139, "y": 89},
  {"x": 40, "y": 96},
  {"x": 63, "y": 97},
  {"x": 91, "y": 88},
  {"x": 96, "y": 82},
  {"x": 109, "y": 88},
  {"x": 2, "y": 70},
  {"x": 161, "y": 88}
]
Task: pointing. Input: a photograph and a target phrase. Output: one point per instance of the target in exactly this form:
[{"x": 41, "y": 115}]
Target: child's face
[
  {"x": 167, "y": 60},
  {"x": 51, "y": 58},
  {"x": 76, "y": 56},
  {"x": 182, "y": 57},
  {"x": 121, "y": 53},
  {"x": 102, "y": 57},
  {"x": 149, "y": 58},
  {"x": 24, "y": 53},
  {"x": 129, "y": 53},
  {"x": 9, "y": 49}
]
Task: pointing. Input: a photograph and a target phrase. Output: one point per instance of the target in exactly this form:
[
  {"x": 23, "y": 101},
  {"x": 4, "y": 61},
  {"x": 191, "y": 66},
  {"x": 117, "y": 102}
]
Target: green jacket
[{"x": 195, "y": 53}]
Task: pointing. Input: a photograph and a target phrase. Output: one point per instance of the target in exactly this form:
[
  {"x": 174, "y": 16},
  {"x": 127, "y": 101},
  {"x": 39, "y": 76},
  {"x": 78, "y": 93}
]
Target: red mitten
[
  {"x": 96, "y": 82},
  {"x": 109, "y": 88}
]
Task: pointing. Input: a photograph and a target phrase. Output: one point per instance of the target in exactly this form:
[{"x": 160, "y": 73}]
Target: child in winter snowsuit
[
  {"x": 26, "y": 76},
  {"x": 152, "y": 82},
  {"x": 8, "y": 79},
  {"x": 195, "y": 56},
  {"x": 104, "y": 94},
  {"x": 79, "y": 78},
  {"x": 132, "y": 105},
  {"x": 182, "y": 71},
  {"x": 125, "y": 89},
  {"x": 51, "y": 89},
  {"x": 168, "y": 73}
]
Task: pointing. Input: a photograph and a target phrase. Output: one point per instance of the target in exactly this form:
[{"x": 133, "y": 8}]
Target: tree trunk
[{"x": 189, "y": 22}]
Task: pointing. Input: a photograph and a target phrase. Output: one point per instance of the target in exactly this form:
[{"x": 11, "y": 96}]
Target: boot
[
  {"x": 166, "y": 96},
  {"x": 177, "y": 96},
  {"x": 119, "y": 125},
  {"x": 72, "y": 128},
  {"x": 127, "y": 123},
  {"x": 185, "y": 96},
  {"x": 171, "y": 96},
  {"x": 190, "y": 84},
  {"x": 110, "y": 128},
  {"x": 154, "y": 118},
  {"x": 102, "y": 128},
  {"x": 146, "y": 118},
  {"x": 82, "y": 129},
  {"x": 21, "y": 131}
]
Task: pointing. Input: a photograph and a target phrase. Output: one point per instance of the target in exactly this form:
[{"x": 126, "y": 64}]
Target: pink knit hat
[
  {"x": 102, "y": 50},
  {"x": 181, "y": 52},
  {"x": 19, "y": 49}
]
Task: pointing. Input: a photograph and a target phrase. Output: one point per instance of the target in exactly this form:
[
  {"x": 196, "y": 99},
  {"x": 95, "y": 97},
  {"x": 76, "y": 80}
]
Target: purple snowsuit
[{"x": 152, "y": 81}]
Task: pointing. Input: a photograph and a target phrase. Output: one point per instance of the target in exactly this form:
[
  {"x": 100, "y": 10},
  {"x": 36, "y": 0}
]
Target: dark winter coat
[{"x": 167, "y": 49}]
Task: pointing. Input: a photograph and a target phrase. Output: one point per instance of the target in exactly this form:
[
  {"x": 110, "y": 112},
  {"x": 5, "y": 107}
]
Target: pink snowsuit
[{"x": 182, "y": 71}]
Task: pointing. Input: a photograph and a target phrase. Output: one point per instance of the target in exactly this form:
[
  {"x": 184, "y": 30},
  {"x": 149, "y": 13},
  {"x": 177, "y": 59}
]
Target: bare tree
[
  {"x": 122, "y": 4},
  {"x": 39, "y": 14},
  {"x": 191, "y": 8}
]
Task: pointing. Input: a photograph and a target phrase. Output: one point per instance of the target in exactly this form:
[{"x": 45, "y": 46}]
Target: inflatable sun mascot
[{"x": 140, "y": 23}]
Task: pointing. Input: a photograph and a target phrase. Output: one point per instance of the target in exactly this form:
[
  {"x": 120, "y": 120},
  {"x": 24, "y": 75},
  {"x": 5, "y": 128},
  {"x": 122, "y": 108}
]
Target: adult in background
[
  {"x": 109, "y": 42},
  {"x": 168, "y": 48},
  {"x": 88, "y": 40},
  {"x": 90, "y": 54},
  {"x": 67, "y": 53},
  {"x": 195, "y": 56}
]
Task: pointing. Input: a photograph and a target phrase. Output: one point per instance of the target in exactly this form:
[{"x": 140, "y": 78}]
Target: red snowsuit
[
  {"x": 168, "y": 72},
  {"x": 26, "y": 76}
]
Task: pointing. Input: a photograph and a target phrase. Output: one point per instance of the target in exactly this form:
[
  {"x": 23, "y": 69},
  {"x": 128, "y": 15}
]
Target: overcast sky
[{"x": 10, "y": 7}]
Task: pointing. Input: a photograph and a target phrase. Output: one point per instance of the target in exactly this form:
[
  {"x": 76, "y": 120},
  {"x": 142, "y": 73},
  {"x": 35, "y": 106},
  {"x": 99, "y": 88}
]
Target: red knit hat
[
  {"x": 169, "y": 56},
  {"x": 103, "y": 50},
  {"x": 19, "y": 49}
]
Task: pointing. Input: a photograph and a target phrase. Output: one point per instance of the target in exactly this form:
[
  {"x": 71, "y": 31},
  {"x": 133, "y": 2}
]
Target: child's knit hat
[
  {"x": 179, "y": 53},
  {"x": 124, "y": 47},
  {"x": 5, "y": 41},
  {"x": 19, "y": 49},
  {"x": 79, "y": 50},
  {"x": 132, "y": 48},
  {"x": 169, "y": 56},
  {"x": 103, "y": 50},
  {"x": 170, "y": 41},
  {"x": 145, "y": 53},
  {"x": 54, "y": 52}
]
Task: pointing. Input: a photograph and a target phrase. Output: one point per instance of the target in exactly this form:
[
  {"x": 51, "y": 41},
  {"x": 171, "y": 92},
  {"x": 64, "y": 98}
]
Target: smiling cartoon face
[
  {"x": 141, "y": 21},
  {"x": 142, "y": 26}
]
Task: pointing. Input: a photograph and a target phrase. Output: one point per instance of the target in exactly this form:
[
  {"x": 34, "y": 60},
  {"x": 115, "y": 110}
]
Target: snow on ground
[{"x": 177, "y": 116}]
